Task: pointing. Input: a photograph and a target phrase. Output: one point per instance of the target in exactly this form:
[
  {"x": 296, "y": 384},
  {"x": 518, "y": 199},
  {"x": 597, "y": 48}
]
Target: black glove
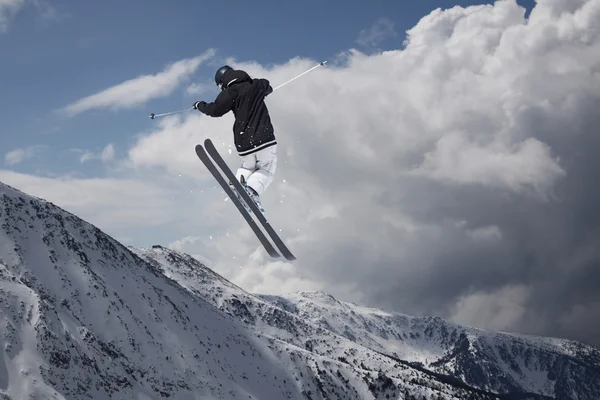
[{"x": 199, "y": 104}]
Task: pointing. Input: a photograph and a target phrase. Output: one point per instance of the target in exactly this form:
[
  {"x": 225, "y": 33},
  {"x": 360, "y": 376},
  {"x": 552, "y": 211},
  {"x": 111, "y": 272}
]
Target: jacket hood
[{"x": 236, "y": 76}]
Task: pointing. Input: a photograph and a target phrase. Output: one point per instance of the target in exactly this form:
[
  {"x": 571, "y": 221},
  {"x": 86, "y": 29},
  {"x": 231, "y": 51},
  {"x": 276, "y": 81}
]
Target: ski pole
[
  {"x": 152, "y": 116},
  {"x": 298, "y": 76},
  {"x": 169, "y": 113}
]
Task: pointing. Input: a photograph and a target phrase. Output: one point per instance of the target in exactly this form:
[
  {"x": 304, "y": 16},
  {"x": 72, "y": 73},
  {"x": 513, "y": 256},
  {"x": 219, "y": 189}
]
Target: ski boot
[
  {"x": 239, "y": 197},
  {"x": 253, "y": 195}
]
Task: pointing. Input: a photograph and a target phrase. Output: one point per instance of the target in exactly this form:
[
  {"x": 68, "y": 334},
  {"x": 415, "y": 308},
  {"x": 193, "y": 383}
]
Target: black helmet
[{"x": 219, "y": 75}]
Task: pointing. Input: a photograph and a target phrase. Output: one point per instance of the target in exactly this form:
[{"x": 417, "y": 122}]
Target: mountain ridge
[{"x": 84, "y": 316}]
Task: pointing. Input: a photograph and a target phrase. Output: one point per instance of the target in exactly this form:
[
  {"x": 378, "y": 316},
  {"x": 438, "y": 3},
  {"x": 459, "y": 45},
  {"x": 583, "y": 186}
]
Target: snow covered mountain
[
  {"x": 513, "y": 366},
  {"x": 84, "y": 317},
  {"x": 495, "y": 361}
]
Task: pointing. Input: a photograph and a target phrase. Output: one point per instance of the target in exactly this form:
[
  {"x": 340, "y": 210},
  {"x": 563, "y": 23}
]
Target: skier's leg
[
  {"x": 247, "y": 167},
  {"x": 266, "y": 163}
]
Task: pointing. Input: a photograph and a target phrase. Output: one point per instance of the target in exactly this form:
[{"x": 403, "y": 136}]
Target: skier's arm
[
  {"x": 221, "y": 106},
  {"x": 265, "y": 85}
]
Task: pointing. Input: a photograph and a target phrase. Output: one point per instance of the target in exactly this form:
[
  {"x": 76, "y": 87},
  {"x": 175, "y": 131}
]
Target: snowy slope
[
  {"x": 83, "y": 317},
  {"x": 495, "y": 361},
  {"x": 492, "y": 361},
  {"x": 345, "y": 369}
]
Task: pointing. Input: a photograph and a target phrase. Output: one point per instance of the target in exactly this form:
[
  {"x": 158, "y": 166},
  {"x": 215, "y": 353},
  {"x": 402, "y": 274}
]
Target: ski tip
[{"x": 199, "y": 150}]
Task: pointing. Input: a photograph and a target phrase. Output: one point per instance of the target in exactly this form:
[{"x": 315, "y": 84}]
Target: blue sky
[{"x": 57, "y": 53}]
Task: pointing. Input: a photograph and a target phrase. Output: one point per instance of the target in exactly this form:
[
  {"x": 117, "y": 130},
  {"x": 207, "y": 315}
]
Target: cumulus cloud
[
  {"x": 455, "y": 176},
  {"x": 381, "y": 30},
  {"x": 495, "y": 310},
  {"x": 458, "y": 183},
  {"x": 183, "y": 243},
  {"x": 119, "y": 206},
  {"x": 138, "y": 91},
  {"x": 199, "y": 88},
  {"x": 528, "y": 164},
  {"x": 171, "y": 144}
]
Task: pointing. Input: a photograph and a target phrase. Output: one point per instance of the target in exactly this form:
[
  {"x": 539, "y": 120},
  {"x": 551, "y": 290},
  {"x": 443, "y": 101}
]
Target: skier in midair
[{"x": 254, "y": 136}]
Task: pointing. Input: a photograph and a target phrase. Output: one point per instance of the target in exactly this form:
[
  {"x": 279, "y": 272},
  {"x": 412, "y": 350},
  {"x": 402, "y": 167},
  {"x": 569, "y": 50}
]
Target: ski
[
  {"x": 255, "y": 228},
  {"x": 212, "y": 150}
]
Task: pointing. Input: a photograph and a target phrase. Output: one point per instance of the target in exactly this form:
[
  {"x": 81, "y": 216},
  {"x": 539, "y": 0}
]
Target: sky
[{"x": 441, "y": 163}]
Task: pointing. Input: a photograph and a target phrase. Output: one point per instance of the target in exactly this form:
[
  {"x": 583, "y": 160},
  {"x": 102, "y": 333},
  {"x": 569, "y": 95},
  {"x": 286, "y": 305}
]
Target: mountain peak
[
  {"x": 317, "y": 295},
  {"x": 86, "y": 317}
]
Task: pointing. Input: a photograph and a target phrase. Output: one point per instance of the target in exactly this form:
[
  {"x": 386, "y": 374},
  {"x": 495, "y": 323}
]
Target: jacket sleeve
[
  {"x": 221, "y": 106},
  {"x": 265, "y": 86}
]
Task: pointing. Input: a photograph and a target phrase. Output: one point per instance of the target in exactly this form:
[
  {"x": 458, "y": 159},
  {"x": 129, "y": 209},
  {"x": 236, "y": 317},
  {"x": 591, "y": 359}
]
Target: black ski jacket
[{"x": 252, "y": 129}]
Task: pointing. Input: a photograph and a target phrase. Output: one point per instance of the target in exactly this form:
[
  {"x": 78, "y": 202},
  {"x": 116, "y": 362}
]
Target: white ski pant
[{"x": 258, "y": 168}]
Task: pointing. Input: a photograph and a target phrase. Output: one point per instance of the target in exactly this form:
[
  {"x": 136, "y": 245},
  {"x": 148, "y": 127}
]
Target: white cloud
[
  {"x": 503, "y": 309},
  {"x": 138, "y": 91},
  {"x": 520, "y": 166},
  {"x": 106, "y": 155},
  {"x": 199, "y": 88},
  {"x": 446, "y": 114},
  {"x": 14, "y": 157},
  {"x": 8, "y": 8},
  {"x": 86, "y": 156},
  {"x": 45, "y": 10},
  {"x": 278, "y": 278},
  {"x": 381, "y": 30},
  {"x": 188, "y": 245},
  {"x": 181, "y": 244},
  {"x": 19, "y": 155},
  {"x": 115, "y": 205}
]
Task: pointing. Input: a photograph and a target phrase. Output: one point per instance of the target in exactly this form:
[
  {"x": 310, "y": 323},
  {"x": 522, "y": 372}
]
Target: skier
[{"x": 254, "y": 136}]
